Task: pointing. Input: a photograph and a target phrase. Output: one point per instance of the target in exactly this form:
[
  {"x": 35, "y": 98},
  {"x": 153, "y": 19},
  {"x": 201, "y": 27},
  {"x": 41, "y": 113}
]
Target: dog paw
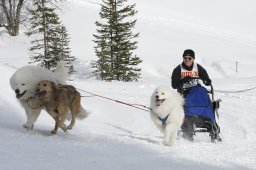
[
  {"x": 53, "y": 132},
  {"x": 28, "y": 127},
  {"x": 69, "y": 127},
  {"x": 166, "y": 143},
  {"x": 63, "y": 127}
]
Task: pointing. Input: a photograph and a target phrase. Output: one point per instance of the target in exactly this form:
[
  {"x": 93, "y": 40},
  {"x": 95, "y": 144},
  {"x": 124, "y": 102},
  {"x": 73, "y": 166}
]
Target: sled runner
[{"x": 200, "y": 112}]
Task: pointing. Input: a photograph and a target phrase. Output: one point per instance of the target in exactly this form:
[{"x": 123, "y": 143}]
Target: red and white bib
[{"x": 192, "y": 73}]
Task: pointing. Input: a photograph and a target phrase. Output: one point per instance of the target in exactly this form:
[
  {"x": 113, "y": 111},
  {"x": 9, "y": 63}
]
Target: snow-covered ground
[{"x": 117, "y": 136}]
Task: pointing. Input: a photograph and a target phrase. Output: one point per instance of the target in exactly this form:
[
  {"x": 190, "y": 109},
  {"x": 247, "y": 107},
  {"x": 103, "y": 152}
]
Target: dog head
[
  {"x": 23, "y": 83},
  {"x": 21, "y": 90},
  {"x": 45, "y": 88},
  {"x": 160, "y": 95}
]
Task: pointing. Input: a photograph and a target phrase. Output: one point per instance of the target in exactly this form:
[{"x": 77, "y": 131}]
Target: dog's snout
[
  {"x": 157, "y": 96},
  {"x": 17, "y": 91}
]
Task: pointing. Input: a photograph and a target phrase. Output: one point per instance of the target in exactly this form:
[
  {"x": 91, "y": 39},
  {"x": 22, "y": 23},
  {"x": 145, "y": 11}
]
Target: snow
[{"x": 116, "y": 136}]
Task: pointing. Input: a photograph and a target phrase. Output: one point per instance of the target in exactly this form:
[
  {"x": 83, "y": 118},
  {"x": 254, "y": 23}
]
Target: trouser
[{"x": 187, "y": 128}]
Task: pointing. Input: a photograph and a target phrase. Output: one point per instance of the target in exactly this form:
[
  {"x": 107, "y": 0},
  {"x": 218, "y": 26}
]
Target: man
[
  {"x": 182, "y": 80},
  {"x": 182, "y": 75}
]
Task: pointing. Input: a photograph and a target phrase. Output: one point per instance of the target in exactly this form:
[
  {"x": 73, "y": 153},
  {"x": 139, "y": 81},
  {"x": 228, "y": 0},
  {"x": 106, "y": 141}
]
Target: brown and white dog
[{"x": 58, "y": 100}]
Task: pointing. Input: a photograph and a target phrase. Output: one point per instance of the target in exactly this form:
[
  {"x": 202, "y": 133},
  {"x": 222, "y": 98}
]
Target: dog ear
[{"x": 52, "y": 84}]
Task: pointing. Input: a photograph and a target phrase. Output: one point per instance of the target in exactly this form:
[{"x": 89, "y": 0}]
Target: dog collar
[{"x": 34, "y": 105}]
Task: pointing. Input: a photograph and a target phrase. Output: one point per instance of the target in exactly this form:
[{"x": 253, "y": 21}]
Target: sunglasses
[{"x": 187, "y": 58}]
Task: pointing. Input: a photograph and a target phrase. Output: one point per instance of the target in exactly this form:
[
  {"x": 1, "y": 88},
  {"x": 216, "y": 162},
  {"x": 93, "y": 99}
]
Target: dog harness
[{"x": 163, "y": 120}]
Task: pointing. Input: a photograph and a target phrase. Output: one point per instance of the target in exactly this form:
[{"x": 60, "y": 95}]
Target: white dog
[
  {"x": 167, "y": 112},
  {"x": 25, "y": 81}
]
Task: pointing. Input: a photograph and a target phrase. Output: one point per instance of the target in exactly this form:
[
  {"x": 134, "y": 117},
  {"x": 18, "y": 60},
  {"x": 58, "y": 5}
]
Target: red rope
[{"x": 118, "y": 101}]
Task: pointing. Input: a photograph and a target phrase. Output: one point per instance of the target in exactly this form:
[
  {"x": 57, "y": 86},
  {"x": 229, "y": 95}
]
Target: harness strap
[
  {"x": 31, "y": 104},
  {"x": 163, "y": 120}
]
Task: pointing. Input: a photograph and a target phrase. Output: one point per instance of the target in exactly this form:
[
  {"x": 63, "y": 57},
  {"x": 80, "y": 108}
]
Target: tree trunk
[{"x": 11, "y": 12}]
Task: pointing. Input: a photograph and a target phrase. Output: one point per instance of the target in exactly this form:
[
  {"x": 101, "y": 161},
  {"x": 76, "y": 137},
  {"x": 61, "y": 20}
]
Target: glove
[
  {"x": 185, "y": 79},
  {"x": 207, "y": 82}
]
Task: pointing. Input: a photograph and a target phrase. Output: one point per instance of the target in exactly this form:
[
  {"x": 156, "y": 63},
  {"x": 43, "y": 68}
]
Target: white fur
[
  {"x": 27, "y": 78},
  {"x": 82, "y": 113},
  {"x": 172, "y": 106}
]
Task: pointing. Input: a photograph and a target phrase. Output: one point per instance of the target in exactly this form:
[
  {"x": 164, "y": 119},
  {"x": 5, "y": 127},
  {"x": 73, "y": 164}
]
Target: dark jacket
[{"x": 176, "y": 76}]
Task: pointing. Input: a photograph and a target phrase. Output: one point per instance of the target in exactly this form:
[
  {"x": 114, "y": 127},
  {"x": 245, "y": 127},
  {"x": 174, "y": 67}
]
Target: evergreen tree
[
  {"x": 114, "y": 42},
  {"x": 60, "y": 47},
  {"x": 102, "y": 64},
  {"x": 50, "y": 38}
]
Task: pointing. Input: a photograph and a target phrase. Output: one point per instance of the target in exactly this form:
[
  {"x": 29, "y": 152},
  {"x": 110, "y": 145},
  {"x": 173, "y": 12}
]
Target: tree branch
[{"x": 2, "y": 25}]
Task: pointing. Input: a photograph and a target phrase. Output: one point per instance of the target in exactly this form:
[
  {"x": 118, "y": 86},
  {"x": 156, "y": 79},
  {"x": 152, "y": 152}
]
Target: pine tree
[
  {"x": 114, "y": 42},
  {"x": 50, "y": 38},
  {"x": 102, "y": 64},
  {"x": 60, "y": 47}
]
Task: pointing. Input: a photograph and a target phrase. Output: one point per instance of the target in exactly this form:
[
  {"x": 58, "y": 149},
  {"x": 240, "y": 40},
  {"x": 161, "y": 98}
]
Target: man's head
[{"x": 188, "y": 57}]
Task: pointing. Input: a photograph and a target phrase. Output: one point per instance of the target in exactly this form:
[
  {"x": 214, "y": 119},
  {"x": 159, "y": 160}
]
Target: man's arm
[
  {"x": 176, "y": 76},
  {"x": 204, "y": 75}
]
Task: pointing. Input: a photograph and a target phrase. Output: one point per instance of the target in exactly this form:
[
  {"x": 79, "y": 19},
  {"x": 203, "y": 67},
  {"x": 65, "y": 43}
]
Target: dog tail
[
  {"x": 82, "y": 113},
  {"x": 62, "y": 72}
]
